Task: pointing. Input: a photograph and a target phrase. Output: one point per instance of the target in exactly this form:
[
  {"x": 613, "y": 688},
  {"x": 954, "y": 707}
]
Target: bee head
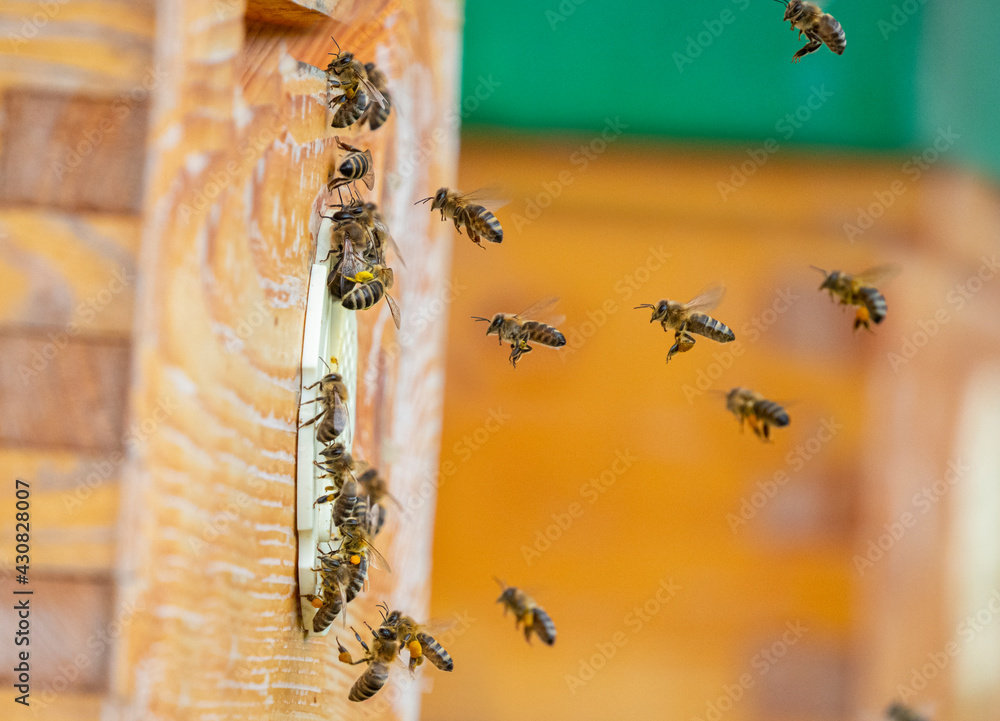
[
  {"x": 659, "y": 310},
  {"x": 831, "y": 281},
  {"x": 495, "y": 323},
  {"x": 369, "y": 67},
  {"x": 333, "y": 452},
  {"x": 330, "y": 378},
  {"x": 793, "y": 8}
]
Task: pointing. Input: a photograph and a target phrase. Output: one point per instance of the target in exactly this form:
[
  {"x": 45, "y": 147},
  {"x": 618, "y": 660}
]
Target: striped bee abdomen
[
  {"x": 355, "y": 166},
  {"x": 771, "y": 413},
  {"x": 332, "y": 606},
  {"x": 370, "y": 682},
  {"x": 378, "y": 115},
  {"x": 359, "y": 574},
  {"x": 874, "y": 303},
  {"x": 350, "y": 110},
  {"x": 710, "y": 328},
  {"x": 484, "y": 223},
  {"x": 343, "y": 507},
  {"x": 542, "y": 626},
  {"x": 541, "y": 333},
  {"x": 831, "y": 32},
  {"x": 364, "y": 295},
  {"x": 435, "y": 653}
]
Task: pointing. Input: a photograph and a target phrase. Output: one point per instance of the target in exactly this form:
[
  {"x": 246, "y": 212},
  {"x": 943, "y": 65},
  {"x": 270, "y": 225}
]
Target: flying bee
[
  {"x": 818, "y": 26},
  {"x": 348, "y": 74},
  {"x": 356, "y": 165},
  {"x": 688, "y": 318},
  {"x": 371, "y": 286},
  {"x": 515, "y": 329},
  {"x": 376, "y": 115},
  {"x": 859, "y": 290},
  {"x": 899, "y": 712},
  {"x": 752, "y": 407},
  {"x": 478, "y": 221},
  {"x": 332, "y": 395},
  {"x": 382, "y": 653},
  {"x": 528, "y": 612}
]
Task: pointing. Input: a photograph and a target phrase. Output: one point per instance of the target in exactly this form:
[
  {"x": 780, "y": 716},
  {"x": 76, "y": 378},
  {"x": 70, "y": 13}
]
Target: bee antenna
[
  {"x": 337, "y": 44},
  {"x": 476, "y": 317},
  {"x": 783, "y": 2},
  {"x": 502, "y": 584},
  {"x": 424, "y": 200},
  {"x": 819, "y": 269},
  {"x": 645, "y": 305}
]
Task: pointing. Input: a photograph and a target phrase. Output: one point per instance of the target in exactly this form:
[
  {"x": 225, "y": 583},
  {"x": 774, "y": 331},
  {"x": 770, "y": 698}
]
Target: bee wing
[
  {"x": 373, "y": 93},
  {"x": 492, "y": 197},
  {"x": 351, "y": 263},
  {"x": 878, "y": 275},
  {"x": 538, "y": 311},
  {"x": 393, "y": 308},
  {"x": 377, "y": 560},
  {"x": 369, "y": 178},
  {"x": 707, "y": 299}
]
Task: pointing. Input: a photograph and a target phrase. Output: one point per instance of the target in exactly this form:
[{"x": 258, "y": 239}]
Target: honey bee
[
  {"x": 371, "y": 285},
  {"x": 343, "y": 498},
  {"x": 513, "y": 328},
  {"x": 356, "y": 543},
  {"x": 528, "y": 612},
  {"x": 376, "y": 115},
  {"x": 819, "y": 27},
  {"x": 348, "y": 74},
  {"x": 348, "y": 239},
  {"x": 356, "y": 165},
  {"x": 752, "y": 407},
  {"x": 332, "y": 395},
  {"x": 899, "y": 712},
  {"x": 382, "y": 653},
  {"x": 379, "y": 236},
  {"x": 688, "y": 318},
  {"x": 376, "y": 490},
  {"x": 415, "y": 639},
  {"x": 859, "y": 290},
  {"x": 478, "y": 221},
  {"x": 332, "y": 576}
]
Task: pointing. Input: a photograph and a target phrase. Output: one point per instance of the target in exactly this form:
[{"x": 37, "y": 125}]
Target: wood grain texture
[
  {"x": 72, "y": 152},
  {"x": 241, "y": 147},
  {"x": 296, "y": 13}
]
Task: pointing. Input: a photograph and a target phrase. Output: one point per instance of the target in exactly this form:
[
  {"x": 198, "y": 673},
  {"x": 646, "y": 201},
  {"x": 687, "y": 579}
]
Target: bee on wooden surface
[
  {"x": 526, "y": 611},
  {"x": 333, "y": 575},
  {"x": 348, "y": 74},
  {"x": 376, "y": 114},
  {"x": 520, "y": 331},
  {"x": 347, "y": 242},
  {"x": 376, "y": 490},
  {"x": 332, "y": 395},
  {"x": 899, "y": 712},
  {"x": 753, "y": 408},
  {"x": 860, "y": 291},
  {"x": 688, "y": 318},
  {"x": 356, "y": 542},
  {"x": 464, "y": 210},
  {"x": 420, "y": 644},
  {"x": 356, "y": 165},
  {"x": 343, "y": 498},
  {"x": 818, "y": 26},
  {"x": 379, "y": 657},
  {"x": 371, "y": 285}
]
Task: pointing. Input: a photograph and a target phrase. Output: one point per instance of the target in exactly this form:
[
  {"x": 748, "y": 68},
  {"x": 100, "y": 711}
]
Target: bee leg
[
  {"x": 767, "y": 431},
  {"x": 313, "y": 420},
  {"x": 337, "y": 100},
  {"x": 812, "y": 46}
]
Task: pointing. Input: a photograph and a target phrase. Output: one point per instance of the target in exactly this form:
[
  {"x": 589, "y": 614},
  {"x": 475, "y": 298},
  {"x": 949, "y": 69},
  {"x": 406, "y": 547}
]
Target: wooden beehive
[{"x": 163, "y": 169}]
